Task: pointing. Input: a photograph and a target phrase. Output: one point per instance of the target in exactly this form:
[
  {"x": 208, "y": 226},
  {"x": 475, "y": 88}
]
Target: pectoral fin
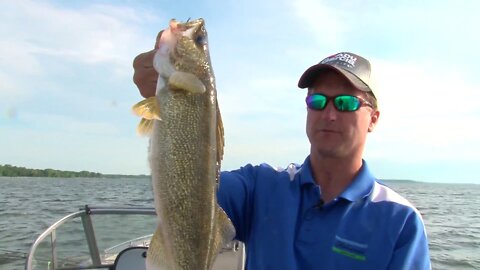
[
  {"x": 145, "y": 127},
  {"x": 149, "y": 110},
  {"x": 186, "y": 81}
]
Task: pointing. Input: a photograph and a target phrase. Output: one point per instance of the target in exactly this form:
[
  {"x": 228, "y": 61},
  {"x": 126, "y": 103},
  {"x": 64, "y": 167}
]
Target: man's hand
[{"x": 145, "y": 76}]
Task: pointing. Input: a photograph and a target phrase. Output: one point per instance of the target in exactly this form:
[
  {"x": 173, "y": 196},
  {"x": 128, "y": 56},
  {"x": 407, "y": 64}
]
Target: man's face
[{"x": 338, "y": 134}]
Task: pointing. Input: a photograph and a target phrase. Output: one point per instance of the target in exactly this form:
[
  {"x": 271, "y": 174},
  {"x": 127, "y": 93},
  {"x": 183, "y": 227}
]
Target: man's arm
[
  {"x": 411, "y": 250},
  {"x": 235, "y": 196}
]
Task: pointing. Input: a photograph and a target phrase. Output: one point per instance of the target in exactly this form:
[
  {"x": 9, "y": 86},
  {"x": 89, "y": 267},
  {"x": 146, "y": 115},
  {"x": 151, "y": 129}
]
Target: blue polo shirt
[{"x": 278, "y": 216}]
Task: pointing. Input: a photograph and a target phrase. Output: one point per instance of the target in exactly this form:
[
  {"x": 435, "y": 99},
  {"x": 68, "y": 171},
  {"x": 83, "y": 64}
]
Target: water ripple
[{"x": 30, "y": 205}]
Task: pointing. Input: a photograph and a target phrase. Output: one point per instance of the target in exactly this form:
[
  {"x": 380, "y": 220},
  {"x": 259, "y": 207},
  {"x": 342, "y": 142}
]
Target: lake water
[{"x": 29, "y": 205}]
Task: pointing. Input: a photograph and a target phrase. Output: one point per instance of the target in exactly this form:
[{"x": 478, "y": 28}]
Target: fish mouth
[
  {"x": 177, "y": 29},
  {"x": 186, "y": 29}
]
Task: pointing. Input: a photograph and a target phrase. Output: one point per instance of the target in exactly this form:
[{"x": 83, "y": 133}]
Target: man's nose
[{"x": 330, "y": 113}]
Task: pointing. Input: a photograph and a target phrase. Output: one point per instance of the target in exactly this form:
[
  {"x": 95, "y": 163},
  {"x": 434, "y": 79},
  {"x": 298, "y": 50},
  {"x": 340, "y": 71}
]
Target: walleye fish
[{"x": 185, "y": 152}]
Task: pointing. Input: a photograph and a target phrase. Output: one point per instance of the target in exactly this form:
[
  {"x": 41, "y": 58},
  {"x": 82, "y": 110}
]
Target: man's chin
[{"x": 328, "y": 152}]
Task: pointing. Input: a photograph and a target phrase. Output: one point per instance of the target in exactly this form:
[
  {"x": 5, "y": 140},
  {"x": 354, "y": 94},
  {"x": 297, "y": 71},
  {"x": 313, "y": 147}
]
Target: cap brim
[{"x": 309, "y": 76}]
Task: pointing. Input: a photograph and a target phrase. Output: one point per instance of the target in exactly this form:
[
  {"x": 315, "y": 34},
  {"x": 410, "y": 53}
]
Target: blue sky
[{"x": 66, "y": 87}]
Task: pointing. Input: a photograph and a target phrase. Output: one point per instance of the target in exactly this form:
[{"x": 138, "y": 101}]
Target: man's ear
[{"x": 374, "y": 120}]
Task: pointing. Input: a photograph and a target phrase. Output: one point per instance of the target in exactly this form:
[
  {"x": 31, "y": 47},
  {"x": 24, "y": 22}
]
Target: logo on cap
[{"x": 343, "y": 59}]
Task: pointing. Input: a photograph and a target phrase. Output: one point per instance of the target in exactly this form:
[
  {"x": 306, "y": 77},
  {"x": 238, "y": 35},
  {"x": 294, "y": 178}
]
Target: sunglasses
[{"x": 343, "y": 103}]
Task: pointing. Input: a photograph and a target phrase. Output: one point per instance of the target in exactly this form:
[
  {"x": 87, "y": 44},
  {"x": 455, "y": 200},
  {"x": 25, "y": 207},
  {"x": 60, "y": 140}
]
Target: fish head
[{"x": 183, "y": 47}]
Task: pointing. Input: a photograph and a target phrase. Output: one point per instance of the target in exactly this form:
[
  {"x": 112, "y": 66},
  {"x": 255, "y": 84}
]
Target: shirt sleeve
[
  {"x": 235, "y": 195},
  {"x": 411, "y": 250}
]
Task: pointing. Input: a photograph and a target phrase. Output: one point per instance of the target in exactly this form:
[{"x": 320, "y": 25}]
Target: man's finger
[
  {"x": 157, "y": 42},
  {"x": 146, "y": 81},
  {"x": 145, "y": 76},
  {"x": 144, "y": 60}
]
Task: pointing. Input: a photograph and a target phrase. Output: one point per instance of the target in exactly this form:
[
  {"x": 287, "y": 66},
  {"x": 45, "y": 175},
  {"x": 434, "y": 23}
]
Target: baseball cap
[{"x": 354, "y": 67}]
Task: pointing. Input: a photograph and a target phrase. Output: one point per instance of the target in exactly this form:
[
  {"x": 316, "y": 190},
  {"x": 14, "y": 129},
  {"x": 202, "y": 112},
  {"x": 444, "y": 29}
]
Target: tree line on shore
[{"x": 14, "y": 171}]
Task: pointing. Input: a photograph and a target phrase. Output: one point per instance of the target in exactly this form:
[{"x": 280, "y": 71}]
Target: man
[{"x": 330, "y": 212}]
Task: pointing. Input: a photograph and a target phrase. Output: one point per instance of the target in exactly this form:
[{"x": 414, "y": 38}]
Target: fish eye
[{"x": 201, "y": 40}]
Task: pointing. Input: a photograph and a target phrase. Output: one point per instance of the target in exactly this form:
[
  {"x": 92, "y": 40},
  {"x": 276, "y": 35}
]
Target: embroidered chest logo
[{"x": 351, "y": 249}]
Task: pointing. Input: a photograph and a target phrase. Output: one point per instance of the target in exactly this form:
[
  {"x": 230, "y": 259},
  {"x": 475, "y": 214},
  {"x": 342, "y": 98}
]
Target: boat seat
[{"x": 132, "y": 258}]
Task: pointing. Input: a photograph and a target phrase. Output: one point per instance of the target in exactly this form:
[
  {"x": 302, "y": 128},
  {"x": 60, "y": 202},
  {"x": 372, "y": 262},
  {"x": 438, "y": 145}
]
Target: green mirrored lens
[
  {"x": 316, "y": 102},
  {"x": 347, "y": 103}
]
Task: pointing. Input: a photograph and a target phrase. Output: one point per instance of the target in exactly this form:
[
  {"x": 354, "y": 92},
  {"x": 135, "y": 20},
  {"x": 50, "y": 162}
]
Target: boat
[{"x": 113, "y": 238}]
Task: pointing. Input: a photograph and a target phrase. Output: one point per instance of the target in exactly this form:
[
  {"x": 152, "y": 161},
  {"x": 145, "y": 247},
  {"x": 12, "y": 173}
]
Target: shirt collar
[
  {"x": 306, "y": 176},
  {"x": 360, "y": 187}
]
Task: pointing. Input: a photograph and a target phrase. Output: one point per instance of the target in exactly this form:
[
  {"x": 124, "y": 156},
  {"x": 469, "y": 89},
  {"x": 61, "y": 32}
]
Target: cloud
[
  {"x": 323, "y": 21},
  {"x": 9, "y": 89},
  {"x": 91, "y": 34},
  {"x": 72, "y": 57},
  {"x": 264, "y": 119},
  {"x": 70, "y": 61},
  {"x": 427, "y": 113},
  {"x": 67, "y": 124}
]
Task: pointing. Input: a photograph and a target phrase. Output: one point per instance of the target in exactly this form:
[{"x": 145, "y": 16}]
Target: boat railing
[{"x": 104, "y": 259}]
